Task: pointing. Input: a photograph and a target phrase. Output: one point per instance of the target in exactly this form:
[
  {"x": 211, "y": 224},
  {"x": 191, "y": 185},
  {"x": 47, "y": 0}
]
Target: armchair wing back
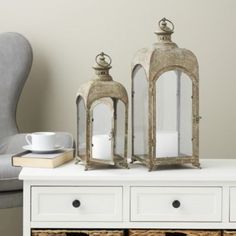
[{"x": 15, "y": 63}]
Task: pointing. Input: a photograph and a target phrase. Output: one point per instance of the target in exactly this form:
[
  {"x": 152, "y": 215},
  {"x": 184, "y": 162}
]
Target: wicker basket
[
  {"x": 229, "y": 233},
  {"x": 77, "y": 233},
  {"x": 155, "y": 232}
]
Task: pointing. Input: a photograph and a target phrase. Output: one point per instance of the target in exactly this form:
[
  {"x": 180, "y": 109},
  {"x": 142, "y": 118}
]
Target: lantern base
[
  {"x": 118, "y": 161},
  {"x": 166, "y": 161}
]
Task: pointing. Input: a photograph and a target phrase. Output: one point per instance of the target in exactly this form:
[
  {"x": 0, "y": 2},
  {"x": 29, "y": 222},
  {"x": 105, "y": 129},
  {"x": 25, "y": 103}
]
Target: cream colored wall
[{"x": 67, "y": 34}]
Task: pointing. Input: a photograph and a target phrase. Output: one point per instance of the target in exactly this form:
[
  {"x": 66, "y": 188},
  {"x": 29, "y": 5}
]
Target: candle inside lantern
[
  {"x": 101, "y": 147},
  {"x": 167, "y": 144}
]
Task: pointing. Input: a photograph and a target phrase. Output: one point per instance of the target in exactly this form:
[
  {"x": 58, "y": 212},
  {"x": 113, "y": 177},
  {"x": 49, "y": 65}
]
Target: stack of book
[{"x": 46, "y": 160}]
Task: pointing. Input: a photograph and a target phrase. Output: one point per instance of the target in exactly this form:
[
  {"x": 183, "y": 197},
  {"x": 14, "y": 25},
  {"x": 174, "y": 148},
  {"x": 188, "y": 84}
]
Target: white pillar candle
[
  {"x": 101, "y": 147},
  {"x": 167, "y": 144}
]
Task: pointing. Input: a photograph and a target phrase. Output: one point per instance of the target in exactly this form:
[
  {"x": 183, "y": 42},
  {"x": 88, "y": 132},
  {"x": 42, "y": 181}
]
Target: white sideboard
[{"x": 182, "y": 198}]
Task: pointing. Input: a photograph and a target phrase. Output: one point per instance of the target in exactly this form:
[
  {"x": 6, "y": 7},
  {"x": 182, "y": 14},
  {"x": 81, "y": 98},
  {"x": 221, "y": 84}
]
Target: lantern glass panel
[
  {"x": 102, "y": 123},
  {"x": 120, "y": 129},
  {"x": 185, "y": 121},
  {"x": 140, "y": 112},
  {"x": 81, "y": 127},
  {"x": 173, "y": 115}
]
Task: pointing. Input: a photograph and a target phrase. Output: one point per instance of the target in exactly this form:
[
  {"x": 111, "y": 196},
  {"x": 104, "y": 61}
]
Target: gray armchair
[{"x": 15, "y": 64}]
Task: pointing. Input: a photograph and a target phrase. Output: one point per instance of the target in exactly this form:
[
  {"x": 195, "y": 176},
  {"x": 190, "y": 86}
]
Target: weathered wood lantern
[
  {"x": 102, "y": 119},
  {"x": 165, "y": 103}
]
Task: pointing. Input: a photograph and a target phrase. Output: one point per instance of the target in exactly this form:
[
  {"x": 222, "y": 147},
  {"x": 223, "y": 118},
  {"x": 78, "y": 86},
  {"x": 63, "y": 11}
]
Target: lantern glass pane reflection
[
  {"x": 140, "y": 112},
  {"x": 81, "y": 127},
  {"x": 173, "y": 115},
  {"x": 185, "y": 125},
  {"x": 120, "y": 129}
]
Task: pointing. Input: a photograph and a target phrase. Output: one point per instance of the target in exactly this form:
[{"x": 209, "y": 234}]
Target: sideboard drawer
[
  {"x": 233, "y": 204},
  {"x": 76, "y": 204},
  {"x": 196, "y": 204}
]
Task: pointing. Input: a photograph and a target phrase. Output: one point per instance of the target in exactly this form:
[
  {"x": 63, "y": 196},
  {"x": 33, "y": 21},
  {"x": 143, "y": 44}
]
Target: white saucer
[{"x": 29, "y": 148}]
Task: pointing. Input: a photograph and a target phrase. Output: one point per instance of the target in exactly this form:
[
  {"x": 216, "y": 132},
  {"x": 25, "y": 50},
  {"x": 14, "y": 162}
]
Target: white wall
[{"x": 66, "y": 35}]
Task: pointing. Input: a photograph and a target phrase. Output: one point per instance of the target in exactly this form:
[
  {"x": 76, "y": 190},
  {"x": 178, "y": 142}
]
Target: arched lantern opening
[{"x": 174, "y": 115}]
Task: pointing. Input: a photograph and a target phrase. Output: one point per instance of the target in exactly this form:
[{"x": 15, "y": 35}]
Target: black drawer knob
[
  {"x": 176, "y": 204},
  {"x": 76, "y": 203}
]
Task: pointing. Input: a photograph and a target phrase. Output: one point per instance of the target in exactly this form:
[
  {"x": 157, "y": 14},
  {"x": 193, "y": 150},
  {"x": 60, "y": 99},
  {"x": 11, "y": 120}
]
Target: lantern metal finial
[
  {"x": 100, "y": 59},
  {"x": 164, "y": 34},
  {"x": 102, "y": 67},
  {"x": 163, "y": 25}
]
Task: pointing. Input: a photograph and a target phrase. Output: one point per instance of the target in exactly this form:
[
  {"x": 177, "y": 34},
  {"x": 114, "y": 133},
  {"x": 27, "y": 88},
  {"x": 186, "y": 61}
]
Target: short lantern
[
  {"x": 102, "y": 119},
  {"x": 165, "y": 103}
]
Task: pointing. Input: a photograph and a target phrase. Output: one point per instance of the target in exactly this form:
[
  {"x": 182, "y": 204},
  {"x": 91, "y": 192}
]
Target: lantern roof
[
  {"x": 165, "y": 55},
  {"x": 102, "y": 85}
]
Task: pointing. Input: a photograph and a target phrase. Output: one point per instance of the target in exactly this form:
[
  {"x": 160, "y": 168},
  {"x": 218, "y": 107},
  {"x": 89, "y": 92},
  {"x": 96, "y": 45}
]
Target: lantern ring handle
[
  {"x": 163, "y": 27},
  {"x": 102, "y": 54}
]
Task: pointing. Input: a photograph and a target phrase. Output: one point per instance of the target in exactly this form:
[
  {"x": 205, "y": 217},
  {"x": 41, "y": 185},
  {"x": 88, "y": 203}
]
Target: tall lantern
[
  {"x": 165, "y": 103},
  {"x": 102, "y": 119}
]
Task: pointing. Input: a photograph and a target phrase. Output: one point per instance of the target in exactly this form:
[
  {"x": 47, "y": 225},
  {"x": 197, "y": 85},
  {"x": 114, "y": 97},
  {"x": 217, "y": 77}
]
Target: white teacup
[{"x": 41, "y": 140}]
